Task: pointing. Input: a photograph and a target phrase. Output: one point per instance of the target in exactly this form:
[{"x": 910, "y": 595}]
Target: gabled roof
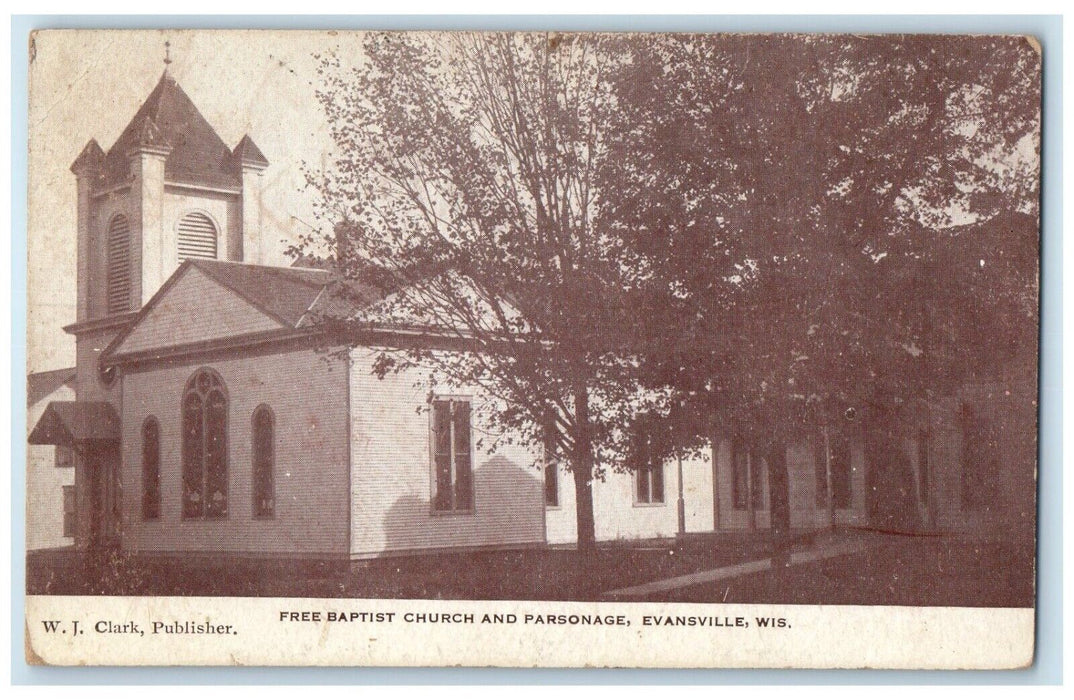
[
  {"x": 169, "y": 119},
  {"x": 41, "y": 384},
  {"x": 284, "y": 293},
  {"x": 296, "y": 298},
  {"x": 68, "y": 422}
]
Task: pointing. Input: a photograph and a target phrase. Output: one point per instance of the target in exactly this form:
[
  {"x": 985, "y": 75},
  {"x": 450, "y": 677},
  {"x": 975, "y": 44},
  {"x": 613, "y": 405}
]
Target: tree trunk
[
  {"x": 779, "y": 503},
  {"x": 583, "y": 472}
]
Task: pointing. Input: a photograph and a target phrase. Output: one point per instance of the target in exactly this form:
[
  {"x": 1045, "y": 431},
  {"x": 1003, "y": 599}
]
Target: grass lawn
[{"x": 893, "y": 571}]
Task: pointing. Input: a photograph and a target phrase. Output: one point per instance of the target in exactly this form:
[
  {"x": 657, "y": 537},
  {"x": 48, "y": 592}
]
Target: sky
[{"x": 88, "y": 84}]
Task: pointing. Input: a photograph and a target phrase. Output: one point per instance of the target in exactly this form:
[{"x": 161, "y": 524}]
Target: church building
[{"x": 207, "y": 417}]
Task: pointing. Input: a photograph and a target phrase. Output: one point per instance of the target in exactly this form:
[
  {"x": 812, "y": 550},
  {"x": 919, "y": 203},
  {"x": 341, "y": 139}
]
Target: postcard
[{"x": 532, "y": 349}]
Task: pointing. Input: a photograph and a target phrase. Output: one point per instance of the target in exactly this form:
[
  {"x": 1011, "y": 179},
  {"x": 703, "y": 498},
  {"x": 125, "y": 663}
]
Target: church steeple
[{"x": 167, "y": 189}]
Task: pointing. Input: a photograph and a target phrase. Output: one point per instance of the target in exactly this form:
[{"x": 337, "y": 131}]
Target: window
[
  {"x": 740, "y": 481},
  {"x": 205, "y": 483},
  {"x": 551, "y": 468},
  {"x": 65, "y": 457},
  {"x": 150, "y": 469},
  {"x": 649, "y": 475},
  {"x": 197, "y": 237},
  {"x": 747, "y": 483},
  {"x": 820, "y": 472},
  {"x": 119, "y": 265},
  {"x": 264, "y": 458},
  {"x": 757, "y": 473},
  {"x": 453, "y": 481},
  {"x": 841, "y": 472},
  {"x": 69, "y": 512}
]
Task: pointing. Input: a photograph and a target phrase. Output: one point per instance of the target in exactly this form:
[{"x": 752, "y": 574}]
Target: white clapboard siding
[
  {"x": 119, "y": 265},
  {"x": 308, "y": 397},
  {"x": 391, "y": 475},
  {"x": 197, "y": 237}
]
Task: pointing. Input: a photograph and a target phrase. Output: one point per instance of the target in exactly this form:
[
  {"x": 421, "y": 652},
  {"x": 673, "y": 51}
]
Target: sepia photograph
[{"x": 426, "y": 333}]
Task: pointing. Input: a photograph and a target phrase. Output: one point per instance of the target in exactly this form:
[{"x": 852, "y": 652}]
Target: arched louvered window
[
  {"x": 197, "y": 237},
  {"x": 205, "y": 482},
  {"x": 150, "y": 469},
  {"x": 119, "y": 265},
  {"x": 264, "y": 458}
]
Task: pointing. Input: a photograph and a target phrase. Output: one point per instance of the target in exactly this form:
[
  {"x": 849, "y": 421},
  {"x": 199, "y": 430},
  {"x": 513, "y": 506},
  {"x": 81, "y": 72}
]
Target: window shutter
[
  {"x": 197, "y": 237},
  {"x": 119, "y": 265}
]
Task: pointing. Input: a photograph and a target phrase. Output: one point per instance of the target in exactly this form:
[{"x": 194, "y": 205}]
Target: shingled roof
[
  {"x": 41, "y": 384},
  {"x": 169, "y": 121},
  {"x": 71, "y": 422},
  {"x": 285, "y": 293},
  {"x": 295, "y": 297}
]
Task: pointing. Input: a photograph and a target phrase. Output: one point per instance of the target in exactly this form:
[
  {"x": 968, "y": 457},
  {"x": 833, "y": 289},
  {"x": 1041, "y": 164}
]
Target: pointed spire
[
  {"x": 89, "y": 160},
  {"x": 168, "y": 123},
  {"x": 167, "y": 55},
  {"x": 249, "y": 155}
]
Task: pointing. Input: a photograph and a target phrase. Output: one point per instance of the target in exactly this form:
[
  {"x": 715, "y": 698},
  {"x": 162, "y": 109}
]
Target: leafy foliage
[
  {"x": 836, "y": 220},
  {"x": 767, "y": 232},
  {"x": 465, "y": 184}
]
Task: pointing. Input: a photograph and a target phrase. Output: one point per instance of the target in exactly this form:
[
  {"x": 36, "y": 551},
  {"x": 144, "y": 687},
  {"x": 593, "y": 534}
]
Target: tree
[
  {"x": 813, "y": 209},
  {"x": 465, "y": 183}
]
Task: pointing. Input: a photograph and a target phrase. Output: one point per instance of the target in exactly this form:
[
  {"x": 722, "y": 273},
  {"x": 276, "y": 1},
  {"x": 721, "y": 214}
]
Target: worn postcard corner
[{"x": 532, "y": 349}]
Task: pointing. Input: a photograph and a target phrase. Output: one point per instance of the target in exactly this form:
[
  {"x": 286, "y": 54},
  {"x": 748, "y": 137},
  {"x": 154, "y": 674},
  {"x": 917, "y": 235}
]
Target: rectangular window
[
  {"x": 740, "y": 481},
  {"x": 453, "y": 472},
  {"x": 551, "y": 468},
  {"x": 841, "y": 473},
  {"x": 758, "y": 467},
  {"x": 649, "y": 473},
  {"x": 820, "y": 472},
  {"x": 747, "y": 483},
  {"x": 69, "y": 511},
  {"x": 65, "y": 456}
]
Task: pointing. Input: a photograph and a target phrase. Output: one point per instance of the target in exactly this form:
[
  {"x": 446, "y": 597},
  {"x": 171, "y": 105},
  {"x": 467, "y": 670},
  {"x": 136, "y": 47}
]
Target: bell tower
[{"x": 167, "y": 190}]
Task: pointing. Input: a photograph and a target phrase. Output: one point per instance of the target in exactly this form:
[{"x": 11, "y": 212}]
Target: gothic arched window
[
  {"x": 264, "y": 462},
  {"x": 119, "y": 265},
  {"x": 150, "y": 469},
  {"x": 197, "y": 237},
  {"x": 205, "y": 482}
]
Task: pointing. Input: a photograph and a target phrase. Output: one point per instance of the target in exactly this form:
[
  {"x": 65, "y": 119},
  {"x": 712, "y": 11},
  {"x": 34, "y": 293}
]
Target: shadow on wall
[{"x": 507, "y": 508}]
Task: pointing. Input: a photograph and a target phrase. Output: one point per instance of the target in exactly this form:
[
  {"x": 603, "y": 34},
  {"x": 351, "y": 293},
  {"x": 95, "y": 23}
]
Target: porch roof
[{"x": 69, "y": 422}]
